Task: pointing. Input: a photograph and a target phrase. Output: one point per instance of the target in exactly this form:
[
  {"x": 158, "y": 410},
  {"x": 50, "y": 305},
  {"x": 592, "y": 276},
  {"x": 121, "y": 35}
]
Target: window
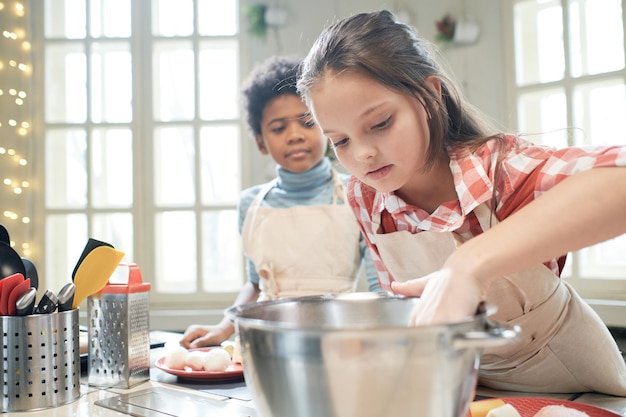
[
  {"x": 570, "y": 89},
  {"x": 140, "y": 140}
]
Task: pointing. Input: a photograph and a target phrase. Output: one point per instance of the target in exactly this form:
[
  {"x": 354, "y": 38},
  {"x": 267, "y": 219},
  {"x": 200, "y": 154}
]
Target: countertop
[{"x": 234, "y": 396}]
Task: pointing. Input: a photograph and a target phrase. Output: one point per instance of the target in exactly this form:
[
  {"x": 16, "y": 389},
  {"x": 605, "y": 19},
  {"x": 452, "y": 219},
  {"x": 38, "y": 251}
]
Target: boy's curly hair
[{"x": 273, "y": 77}]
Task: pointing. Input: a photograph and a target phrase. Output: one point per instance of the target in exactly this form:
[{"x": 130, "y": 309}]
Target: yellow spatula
[{"x": 94, "y": 272}]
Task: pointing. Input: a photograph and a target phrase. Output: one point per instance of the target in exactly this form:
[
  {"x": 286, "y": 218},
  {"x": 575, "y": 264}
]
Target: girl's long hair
[{"x": 378, "y": 46}]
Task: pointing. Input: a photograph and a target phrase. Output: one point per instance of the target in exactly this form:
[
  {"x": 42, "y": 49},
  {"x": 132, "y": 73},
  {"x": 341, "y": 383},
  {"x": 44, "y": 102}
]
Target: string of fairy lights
[{"x": 15, "y": 126}]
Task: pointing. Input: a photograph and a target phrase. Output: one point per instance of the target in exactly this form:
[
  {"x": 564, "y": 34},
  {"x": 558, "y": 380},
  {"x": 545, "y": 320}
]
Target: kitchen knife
[
  {"x": 25, "y": 305},
  {"x": 66, "y": 297},
  {"x": 47, "y": 304}
]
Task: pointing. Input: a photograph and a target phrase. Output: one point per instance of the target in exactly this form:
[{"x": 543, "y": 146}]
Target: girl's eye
[
  {"x": 277, "y": 130},
  {"x": 383, "y": 124},
  {"x": 340, "y": 142},
  {"x": 309, "y": 123}
]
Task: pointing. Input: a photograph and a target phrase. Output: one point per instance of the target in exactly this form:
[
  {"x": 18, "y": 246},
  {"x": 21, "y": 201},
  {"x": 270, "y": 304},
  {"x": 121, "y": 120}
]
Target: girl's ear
[
  {"x": 434, "y": 83},
  {"x": 260, "y": 143}
]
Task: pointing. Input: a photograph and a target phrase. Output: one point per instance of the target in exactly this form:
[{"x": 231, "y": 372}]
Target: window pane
[
  {"x": 599, "y": 110},
  {"x": 219, "y": 147},
  {"x": 217, "y": 17},
  {"x": 173, "y": 81},
  {"x": 605, "y": 260},
  {"x": 175, "y": 252},
  {"x": 116, "y": 229},
  {"x": 66, "y": 168},
  {"x": 174, "y": 166},
  {"x": 223, "y": 263},
  {"x": 66, "y": 236},
  {"x": 112, "y": 168},
  {"x": 65, "y": 19},
  {"x": 172, "y": 18},
  {"x": 539, "y": 53},
  {"x": 218, "y": 83},
  {"x": 110, "y": 18},
  {"x": 66, "y": 83},
  {"x": 597, "y": 36},
  {"x": 111, "y": 78},
  {"x": 542, "y": 116}
]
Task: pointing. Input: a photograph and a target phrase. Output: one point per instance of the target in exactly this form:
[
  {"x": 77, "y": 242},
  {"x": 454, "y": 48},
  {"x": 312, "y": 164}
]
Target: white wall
[{"x": 478, "y": 67}]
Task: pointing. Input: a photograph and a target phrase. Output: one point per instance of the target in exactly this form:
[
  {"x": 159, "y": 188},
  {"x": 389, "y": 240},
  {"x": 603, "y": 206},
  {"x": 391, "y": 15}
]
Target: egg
[
  {"x": 195, "y": 360},
  {"x": 506, "y": 410},
  {"x": 216, "y": 360},
  {"x": 176, "y": 357},
  {"x": 560, "y": 411}
]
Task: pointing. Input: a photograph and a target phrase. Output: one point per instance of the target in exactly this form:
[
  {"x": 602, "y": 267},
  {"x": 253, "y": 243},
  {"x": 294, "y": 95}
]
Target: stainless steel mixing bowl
[{"x": 353, "y": 355}]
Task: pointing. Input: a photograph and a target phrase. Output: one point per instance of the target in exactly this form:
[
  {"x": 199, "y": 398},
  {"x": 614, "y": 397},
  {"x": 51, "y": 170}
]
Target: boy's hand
[{"x": 197, "y": 336}]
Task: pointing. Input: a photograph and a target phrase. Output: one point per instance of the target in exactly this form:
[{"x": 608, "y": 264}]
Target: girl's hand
[{"x": 444, "y": 297}]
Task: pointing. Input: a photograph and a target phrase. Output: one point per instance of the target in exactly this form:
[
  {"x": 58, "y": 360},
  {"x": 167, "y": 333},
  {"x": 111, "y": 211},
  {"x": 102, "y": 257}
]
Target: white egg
[
  {"x": 216, "y": 360},
  {"x": 507, "y": 410},
  {"x": 175, "y": 357},
  {"x": 195, "y": 360}
]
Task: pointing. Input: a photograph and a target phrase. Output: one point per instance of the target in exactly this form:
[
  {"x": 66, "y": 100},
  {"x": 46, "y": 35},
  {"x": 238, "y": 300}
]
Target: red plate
[
  {"x": 234, "y": 371},
  {"x": 529, "y": 406}
]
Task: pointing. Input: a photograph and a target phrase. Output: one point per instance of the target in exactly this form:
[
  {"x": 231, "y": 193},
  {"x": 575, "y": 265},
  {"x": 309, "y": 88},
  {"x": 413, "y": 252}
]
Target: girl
[
  {"x": 457, "y": 213},
  {"x": 293, "y": 227}
]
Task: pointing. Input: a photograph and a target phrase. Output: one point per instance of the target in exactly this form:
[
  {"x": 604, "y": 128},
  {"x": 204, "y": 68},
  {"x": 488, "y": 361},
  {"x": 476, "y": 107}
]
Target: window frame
[
  {"x": 606, "y": 296},
  {"x": 168, "y": 311}
]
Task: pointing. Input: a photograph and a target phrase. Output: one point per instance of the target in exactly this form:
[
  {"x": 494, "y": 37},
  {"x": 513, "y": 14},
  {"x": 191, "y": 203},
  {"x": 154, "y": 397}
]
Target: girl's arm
[{"x": 582, "y": 210}]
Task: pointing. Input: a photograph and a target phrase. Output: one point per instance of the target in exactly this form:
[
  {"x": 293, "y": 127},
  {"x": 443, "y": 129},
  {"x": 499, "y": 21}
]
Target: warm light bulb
[
  {"x": 7, "y": 181},
  {"x": 26, "y": 45},
  {"x": 26, "y": 220},
  {"x": 17, "y": 190},
  {"x": 22, "y": 132},
  {"x": 23, "y": 162},
  {"x": 25, "y": 184}
]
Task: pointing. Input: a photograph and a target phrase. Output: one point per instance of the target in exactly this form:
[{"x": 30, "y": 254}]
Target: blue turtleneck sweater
[{"x": 310, "y": 188}]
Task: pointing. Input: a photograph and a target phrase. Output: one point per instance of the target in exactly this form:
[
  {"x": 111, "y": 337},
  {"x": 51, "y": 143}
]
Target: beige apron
[
  {"x": 303, "y": 250},
  {"x": 564, "y": 345}
]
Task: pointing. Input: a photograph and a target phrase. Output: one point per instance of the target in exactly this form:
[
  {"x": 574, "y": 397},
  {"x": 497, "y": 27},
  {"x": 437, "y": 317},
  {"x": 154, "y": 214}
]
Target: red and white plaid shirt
[{"x": 526, "y": 171}]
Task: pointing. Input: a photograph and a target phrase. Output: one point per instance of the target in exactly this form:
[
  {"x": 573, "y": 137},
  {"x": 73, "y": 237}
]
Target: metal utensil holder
[
  {"x": 119, "y": 333},
  {"x": 41, "y": 364}
]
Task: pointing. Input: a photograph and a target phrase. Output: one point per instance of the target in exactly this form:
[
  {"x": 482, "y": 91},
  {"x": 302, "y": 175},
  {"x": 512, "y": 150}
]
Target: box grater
[
  {"x": 119, "y": 332},
  {"x": 41, "y": 364}
]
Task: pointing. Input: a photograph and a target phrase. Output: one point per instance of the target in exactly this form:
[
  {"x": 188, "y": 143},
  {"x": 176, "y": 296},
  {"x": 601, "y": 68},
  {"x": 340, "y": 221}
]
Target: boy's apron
[
  {"x": 303, "y": 250},
  {"x": 564, "y": 346}
]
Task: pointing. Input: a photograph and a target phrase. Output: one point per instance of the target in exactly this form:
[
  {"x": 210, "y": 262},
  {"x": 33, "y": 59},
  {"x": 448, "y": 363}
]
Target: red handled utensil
[
  {"x": 17, "y": 292},
  {"x": 8, "y": 284}
]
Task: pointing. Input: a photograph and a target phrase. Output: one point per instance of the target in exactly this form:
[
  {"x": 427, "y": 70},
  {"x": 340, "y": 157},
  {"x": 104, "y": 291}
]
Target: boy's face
[{"x": 290, "y": 135}]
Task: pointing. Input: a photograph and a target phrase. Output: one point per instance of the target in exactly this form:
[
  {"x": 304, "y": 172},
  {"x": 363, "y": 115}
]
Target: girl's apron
[
  {"x": 303, "y": 250},
  {"x": 564, "y": 346}
]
